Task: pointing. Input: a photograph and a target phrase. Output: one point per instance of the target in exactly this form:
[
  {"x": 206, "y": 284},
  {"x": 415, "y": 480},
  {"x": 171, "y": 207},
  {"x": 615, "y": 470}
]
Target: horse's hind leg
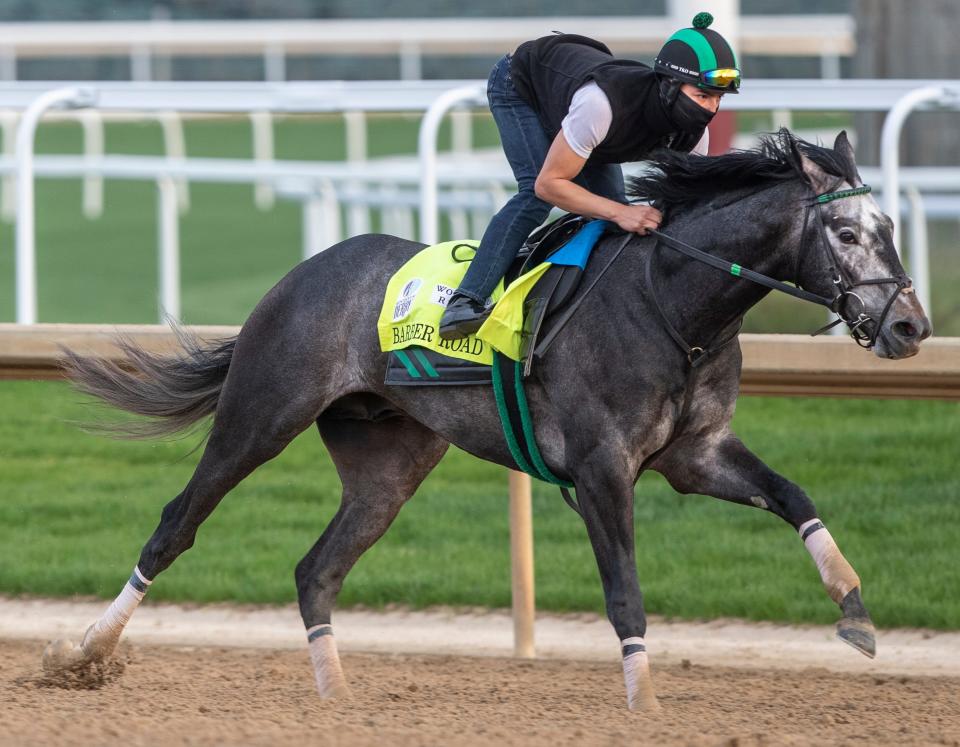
[
  {"x": 723, "y": 467},
  {"x": 381, "y": 464},
  {"x": 247, "y": 432}
]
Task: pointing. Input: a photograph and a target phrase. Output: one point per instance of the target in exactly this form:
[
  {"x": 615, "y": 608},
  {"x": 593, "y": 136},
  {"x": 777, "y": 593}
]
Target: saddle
[{"x": 555, "y": 288}]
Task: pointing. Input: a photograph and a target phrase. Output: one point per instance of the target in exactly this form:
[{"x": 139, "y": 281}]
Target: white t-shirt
[{"x": 589, "y": 118}]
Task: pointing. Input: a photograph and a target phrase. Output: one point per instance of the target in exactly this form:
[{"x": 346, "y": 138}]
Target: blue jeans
[{"x": 525, "y": 144}]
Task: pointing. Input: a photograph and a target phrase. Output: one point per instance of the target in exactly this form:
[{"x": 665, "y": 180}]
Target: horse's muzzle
[{"x": 904, "y": 328}]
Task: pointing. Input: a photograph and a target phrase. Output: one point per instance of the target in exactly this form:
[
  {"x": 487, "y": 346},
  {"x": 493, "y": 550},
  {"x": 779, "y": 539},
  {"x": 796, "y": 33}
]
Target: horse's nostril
[{"x": 905, "y": 330}]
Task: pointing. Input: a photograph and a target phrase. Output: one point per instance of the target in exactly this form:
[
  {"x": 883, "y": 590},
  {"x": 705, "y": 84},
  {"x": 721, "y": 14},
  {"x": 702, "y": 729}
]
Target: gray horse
[{"x": 644, "y": 376}]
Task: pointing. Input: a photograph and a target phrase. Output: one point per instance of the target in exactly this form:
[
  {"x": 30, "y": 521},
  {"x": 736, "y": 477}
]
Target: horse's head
[{"x": 847, "y": 253}]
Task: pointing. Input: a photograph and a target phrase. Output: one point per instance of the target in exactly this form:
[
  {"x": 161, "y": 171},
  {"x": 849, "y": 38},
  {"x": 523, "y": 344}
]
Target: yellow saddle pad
[{"x": 417, "y": 295}]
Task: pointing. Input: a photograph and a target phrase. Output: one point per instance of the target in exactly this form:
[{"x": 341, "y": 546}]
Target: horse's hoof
[
  {"x": 62, "y": 655},
  {"x": 99, "y": 647},
  {"x": 858, "y": 633},
  {"x": 338, "y": 691},
  {"x": 856, "y": 628},
  {"x": 645, "y": 704}
]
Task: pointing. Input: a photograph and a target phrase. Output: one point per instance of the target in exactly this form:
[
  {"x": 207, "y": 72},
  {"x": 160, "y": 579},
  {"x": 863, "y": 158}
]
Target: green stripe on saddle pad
[{"x": 417, "y": 366}]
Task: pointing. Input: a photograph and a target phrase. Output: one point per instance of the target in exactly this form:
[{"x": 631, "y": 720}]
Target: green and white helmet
[{"x": 701, "y": 57}]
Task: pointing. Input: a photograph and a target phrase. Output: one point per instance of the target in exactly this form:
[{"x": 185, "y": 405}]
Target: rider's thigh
[{"x": 524, "y": 141}]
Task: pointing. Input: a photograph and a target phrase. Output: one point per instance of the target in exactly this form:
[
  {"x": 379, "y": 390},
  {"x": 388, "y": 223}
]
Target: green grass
[{"x": 76, "y": 509}]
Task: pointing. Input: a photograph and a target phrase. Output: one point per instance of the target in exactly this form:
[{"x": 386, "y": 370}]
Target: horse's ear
[
  {"x": 818, "y": 179},
  {"x": 843, "y": 148}
]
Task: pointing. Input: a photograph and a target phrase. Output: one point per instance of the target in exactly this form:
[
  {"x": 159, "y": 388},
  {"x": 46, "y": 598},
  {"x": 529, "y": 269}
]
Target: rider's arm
[{"x": 554, "y": 185}]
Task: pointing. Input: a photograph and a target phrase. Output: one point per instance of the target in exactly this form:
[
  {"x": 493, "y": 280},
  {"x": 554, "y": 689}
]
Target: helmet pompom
[{"x": 702, "y": 20}]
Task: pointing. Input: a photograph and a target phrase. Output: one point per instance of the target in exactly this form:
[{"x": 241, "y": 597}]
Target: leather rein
[{"x": 845, "y": 303}]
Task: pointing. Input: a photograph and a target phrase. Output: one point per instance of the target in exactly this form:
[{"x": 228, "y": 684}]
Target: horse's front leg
[
  {"x": 606, "y": 500},
  {"x": 721, "y": 466}
]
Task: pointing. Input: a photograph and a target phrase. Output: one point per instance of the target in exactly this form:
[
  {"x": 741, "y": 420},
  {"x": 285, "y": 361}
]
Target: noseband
[{"x": 848, "y": 305}]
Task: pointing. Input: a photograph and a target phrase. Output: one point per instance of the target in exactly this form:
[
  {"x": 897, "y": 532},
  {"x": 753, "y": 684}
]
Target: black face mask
[{"x": 687, "y": 115}]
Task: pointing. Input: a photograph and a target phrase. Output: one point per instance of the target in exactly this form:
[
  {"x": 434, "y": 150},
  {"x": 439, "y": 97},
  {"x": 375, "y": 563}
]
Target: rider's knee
[{"x": 533, "y": 205}]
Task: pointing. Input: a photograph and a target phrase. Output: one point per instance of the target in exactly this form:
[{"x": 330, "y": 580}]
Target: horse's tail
[{"x": 173, "y": 392}]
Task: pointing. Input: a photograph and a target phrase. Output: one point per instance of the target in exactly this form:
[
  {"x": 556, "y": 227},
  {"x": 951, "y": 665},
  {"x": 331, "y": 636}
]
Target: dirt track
[
  {"x": 200, "y": 696},
  {"x": 233, "y": 675}
]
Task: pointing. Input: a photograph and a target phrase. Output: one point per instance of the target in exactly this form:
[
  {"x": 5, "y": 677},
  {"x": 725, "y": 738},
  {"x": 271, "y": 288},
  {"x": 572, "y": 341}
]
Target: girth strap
[
  {"x": 516, "y": 421},
  {"x": 518, "y": 426}
]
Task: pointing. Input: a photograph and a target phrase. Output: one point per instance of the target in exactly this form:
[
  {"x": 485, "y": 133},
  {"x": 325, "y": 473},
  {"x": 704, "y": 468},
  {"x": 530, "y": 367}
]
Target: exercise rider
[{"x": 569, "y": 113}]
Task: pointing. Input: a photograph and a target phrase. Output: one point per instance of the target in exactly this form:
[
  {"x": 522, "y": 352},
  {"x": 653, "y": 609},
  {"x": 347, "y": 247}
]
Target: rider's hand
[{"x": 638, "y": 218}]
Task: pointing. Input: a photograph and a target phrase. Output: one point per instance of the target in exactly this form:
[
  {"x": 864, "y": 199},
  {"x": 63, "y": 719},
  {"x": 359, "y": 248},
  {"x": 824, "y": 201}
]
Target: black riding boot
[{"x": 463, "y": 316}]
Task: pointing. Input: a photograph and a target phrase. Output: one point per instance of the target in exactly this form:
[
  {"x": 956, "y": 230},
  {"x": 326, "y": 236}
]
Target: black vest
[{"x": 547, "y": 72}]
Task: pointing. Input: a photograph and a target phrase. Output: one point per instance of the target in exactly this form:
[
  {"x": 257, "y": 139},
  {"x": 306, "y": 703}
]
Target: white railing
[
  {"x": 827, "y": 36},
  {"x": 946, "y": 96},
  {"x": 321, "y": 186},
  {"x": 164, "y": 99},
  {"x": 26, "y": 235}
]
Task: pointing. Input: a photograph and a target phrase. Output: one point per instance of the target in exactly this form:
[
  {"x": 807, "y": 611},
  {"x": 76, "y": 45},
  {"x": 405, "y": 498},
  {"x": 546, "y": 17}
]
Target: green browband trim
[
  {"x": 735, "y": 270},
  {"x": 831, "y": 196}
]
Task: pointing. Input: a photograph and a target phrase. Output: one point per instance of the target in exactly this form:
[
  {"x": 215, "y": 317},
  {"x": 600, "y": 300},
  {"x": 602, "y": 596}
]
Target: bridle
[{"x": 845, "y": 303}]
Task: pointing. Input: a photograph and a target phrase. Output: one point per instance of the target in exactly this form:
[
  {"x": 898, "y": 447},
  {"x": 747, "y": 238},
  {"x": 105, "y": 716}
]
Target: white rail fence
[
  {"x": 473, "y": 186},
  {"x": 146, "y": 43}
]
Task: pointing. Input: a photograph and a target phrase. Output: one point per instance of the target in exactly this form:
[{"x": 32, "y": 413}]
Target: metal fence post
[
  {"x": 168, "y": 234},
  {"x": 427, "y": 153},
  {"x": 261, "y": 122},
  {"x": 355, "y": 121},
  {"x": 890, "y": 142},
  {"x": 175, "y": 147},
  {"x": 919, "y": 247},
  {"x": 26, "y": 229},
  {"x": 93, "y": 139}
]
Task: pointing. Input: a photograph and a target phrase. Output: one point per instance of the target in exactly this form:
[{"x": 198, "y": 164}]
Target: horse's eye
[{"x": 847, "y": 236}]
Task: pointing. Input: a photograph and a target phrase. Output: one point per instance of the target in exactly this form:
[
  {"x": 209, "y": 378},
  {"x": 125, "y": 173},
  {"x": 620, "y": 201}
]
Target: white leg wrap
[
  {"x": 636, "y": 675},
  {"x": 326, "y": 662},
  {"x": 102, "y": 637},
  {"x": 837, "y": 574}
]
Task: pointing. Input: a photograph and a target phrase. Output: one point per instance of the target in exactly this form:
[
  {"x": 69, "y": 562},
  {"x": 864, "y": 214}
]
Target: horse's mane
[{"x": 677, "y": 178}]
